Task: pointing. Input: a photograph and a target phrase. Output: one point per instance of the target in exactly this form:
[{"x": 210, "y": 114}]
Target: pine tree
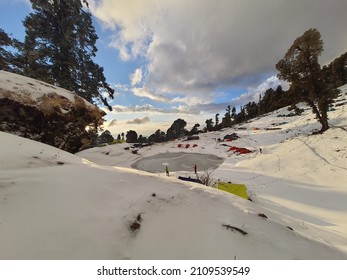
[
  {"x": 59, "y": 47},
  {"x": 241, "y": 116},
  {"x": 300, "y": 67},
  {"x": 251, "y": 110},
  {"x": 177, "y": 129},
  {"x": 105, "y": 137},
  {"x": 195, "y": 129},
  {"x": 233, "y": 112},
  {"x": 131, "y": 136},
  {"x": 158, "y": 137},
  {"x": 226, "y": 121},
  {"x": 335, "y": 74},
  {"x": 209, "y": 125},
  {"x": 142, "y": 139},
  {"x": 5, "y": 55},
  {"x": 216, "y": 121}
]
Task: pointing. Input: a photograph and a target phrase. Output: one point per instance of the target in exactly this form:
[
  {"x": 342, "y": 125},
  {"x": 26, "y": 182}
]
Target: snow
[
  {"x": 96, "y": 205},
  {"x": 30, "y": 91}
]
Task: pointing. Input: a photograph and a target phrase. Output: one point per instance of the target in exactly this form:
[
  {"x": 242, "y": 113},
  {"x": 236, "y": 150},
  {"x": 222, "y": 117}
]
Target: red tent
[{"x": 240, "y": 150}]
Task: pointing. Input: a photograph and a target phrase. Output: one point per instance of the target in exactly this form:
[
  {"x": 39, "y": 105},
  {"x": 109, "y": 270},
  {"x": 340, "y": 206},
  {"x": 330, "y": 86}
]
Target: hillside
[
  {"x": 36, "y": 110},
  {"x": 94, "y": 205}
]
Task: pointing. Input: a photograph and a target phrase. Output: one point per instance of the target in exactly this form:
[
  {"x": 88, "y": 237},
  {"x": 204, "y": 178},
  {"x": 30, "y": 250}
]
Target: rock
[{"x": 45, "y": 113}]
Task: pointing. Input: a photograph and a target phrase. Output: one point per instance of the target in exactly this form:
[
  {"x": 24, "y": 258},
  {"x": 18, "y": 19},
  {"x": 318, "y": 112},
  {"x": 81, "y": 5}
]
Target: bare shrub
[{"x": 206, "y": 178}]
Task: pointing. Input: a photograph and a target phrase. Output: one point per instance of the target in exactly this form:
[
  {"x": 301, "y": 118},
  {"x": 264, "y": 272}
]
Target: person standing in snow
[
  {"x": 167, "y": 171},
  {"x": 195, "y": 169}
]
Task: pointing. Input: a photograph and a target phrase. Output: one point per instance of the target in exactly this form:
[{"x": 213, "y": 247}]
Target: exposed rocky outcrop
[{"x": 46, "y": 113}]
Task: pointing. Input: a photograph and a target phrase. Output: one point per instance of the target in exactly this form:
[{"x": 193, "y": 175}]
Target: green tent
[{"x": 236, "y": 189}]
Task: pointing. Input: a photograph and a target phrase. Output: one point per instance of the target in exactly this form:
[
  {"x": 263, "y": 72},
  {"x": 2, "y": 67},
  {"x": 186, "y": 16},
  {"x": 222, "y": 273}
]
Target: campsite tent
[
  {"x": 240, "y": 151},
  {"x": 188, "y": 179},
  {"x": 236, "y": 189}
]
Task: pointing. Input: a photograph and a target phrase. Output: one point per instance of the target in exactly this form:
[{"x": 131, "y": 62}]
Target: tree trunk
[
  {"x": 325, "y": 125},
  {"x": 323, "y": 120}
]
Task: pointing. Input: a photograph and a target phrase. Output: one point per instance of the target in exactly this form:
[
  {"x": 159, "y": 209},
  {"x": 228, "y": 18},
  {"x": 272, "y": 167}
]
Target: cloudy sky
[{"x": 170, "y": 59}]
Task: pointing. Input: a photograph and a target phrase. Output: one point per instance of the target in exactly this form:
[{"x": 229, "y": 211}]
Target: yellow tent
[{"x": 236, "y": 189}]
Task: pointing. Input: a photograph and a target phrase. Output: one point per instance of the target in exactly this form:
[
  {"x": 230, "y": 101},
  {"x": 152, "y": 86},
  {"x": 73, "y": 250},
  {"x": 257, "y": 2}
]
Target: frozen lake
[{"x": 178, "y": 162}]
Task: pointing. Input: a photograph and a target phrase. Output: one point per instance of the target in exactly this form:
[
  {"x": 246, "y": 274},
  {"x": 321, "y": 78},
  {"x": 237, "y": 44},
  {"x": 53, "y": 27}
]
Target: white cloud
[
  {"x": 254, "y": 92},
  {"x": 137, "y": 108},
  {"x": 144, "y": 92},
  {"x": 121, "y": 108},
  {"x": 146, "y": 108},
  {"x": 189, "y": 111},
  {"x": 193, "y": 47},
  {"x": 130, "y": 18},
  {"x": 141, "y": 124},
  {"x": 136, "y": 77},
  {"x": 194, "y": 106},
  {"x": 113, "y": 122},
  {"x": 139, "y": 121}
]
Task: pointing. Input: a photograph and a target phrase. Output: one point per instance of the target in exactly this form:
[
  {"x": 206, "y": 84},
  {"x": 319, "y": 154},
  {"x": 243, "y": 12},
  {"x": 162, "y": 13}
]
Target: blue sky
[{"x": 191, "y": 59}]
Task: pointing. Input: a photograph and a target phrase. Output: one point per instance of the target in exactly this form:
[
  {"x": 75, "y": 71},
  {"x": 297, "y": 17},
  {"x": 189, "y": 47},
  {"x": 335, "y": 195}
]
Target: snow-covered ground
[
  {"x": 95, "y": 205},
  {"x": 30, "y": 91}
]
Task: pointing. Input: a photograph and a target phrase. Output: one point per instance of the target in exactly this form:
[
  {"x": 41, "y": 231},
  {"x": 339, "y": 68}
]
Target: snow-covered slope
[
  {"x": 54, "y": 205},
  {"x": 81, "y": 210}
]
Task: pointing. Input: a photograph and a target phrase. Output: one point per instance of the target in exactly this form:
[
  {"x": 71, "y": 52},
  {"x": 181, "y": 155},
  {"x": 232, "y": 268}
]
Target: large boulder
[{"x": 46, "y": 113}]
